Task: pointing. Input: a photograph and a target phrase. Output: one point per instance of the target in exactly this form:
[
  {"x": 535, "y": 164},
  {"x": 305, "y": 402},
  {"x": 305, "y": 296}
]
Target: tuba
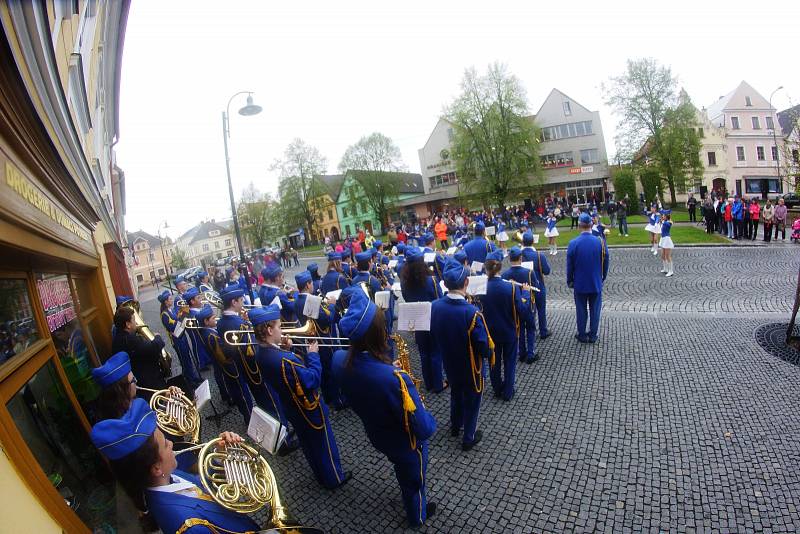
[
  {"x": 404, "y": 362},
  {"x": 165, "y": 361}
]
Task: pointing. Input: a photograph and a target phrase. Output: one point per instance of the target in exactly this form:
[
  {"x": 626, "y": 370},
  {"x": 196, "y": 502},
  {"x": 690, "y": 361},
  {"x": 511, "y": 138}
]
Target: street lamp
[
  {"x": 247, "y": 110},
  {"x": 163, "y": 224},
  {"x": 775, "y": 125}
]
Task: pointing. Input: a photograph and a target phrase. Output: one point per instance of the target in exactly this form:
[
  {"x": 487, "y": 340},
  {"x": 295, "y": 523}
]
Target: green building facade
[{"x": 355, "y": 212}]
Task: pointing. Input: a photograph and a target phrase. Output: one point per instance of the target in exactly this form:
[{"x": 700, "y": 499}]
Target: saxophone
[{"x": 405, "y": 363}]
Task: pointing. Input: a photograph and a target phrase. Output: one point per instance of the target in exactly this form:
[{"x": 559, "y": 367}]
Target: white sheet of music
[
  {"x": 536, "y": 238},
  {"x": 396, "y": 286},
  {"x": 392, "y": 264},
  {"x": 382, "y": 299},
  {"x": 451, "y": 251},
  {"x": 333, "y": 294},
  {"x": 202, "y": 394},
  {"x": 490, "y": 230},
  {"x": 277, "y": 301},
  {"x": 528, "y": 265},
  {"x": 414, "y": 316},
  {"x": 430, "y": 257},
  {"x": 180, "y": 327},
  {"x": 476, "y": 266},
  {"x": 444, "y": 287},
  {"x": 477, "y": 285},
  {"x": 312, "y": 305},
  {"x": 266, "y": 430},
  {"x": 257, "y": 302}
]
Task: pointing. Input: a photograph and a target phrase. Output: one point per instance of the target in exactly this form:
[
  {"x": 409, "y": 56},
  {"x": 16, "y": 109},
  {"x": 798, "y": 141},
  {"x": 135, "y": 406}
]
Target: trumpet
[
  {"x": 235, "y": 338},
  {"x": 176, "y": 414},
  {"x": 212, "y": 298}
]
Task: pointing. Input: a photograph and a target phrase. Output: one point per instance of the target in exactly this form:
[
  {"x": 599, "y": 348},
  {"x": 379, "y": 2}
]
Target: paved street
[{"x": 675, "y": 421}]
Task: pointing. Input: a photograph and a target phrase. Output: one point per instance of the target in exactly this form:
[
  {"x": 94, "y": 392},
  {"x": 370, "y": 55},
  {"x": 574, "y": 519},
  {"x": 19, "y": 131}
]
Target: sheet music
[
  {"x": 477, "y": 285},
  {"x": 536, "y": 238},
  {"x": 180, "y": 327},
  {"x": 265, "y": 430},
  {"x": 430, "y": 257},
  {"x": 528, "y": 265},
  {"x": 444, "y": 287},
  {"x": 392, "y": 264},
  {"x": 476, "y": 266},
  {"x": 396, "y": 286},
  {"x": 451, "y": 251},
  {"x": 490, "y": 230},
  {"x": 257, "y": 302},
  {"x": 333, "y": 294},
  {"x": 202, "y": 394},
  {"x": 277, "y": 301},
  {"x": 312, "y": 305},
  {"x": 414, "y": 316},
  {"x": 382, "y": 299}
]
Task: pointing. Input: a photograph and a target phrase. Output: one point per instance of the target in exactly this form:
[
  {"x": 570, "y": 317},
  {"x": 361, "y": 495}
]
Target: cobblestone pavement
[{"x": 673, "y": 422}]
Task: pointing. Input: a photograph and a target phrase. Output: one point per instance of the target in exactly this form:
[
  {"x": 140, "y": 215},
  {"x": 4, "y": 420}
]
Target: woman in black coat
[{"x": 144, "y": 354}]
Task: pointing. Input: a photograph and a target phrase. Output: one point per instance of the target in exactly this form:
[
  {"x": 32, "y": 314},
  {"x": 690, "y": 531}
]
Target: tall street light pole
[
  {"x": 247, "y": 110},
  {"x": 167, "y": 270},
  {"x": 775, "y": 125}
]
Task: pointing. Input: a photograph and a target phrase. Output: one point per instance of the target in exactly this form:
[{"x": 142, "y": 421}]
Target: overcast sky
[{"x": 331, "y": 72}]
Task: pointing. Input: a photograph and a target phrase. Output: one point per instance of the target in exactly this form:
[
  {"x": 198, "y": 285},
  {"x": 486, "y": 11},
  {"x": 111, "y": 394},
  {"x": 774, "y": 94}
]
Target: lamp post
[
  {"x": 774, "y": 139},
  {"x": 247, "y": 110},
  {"x": 163, "y": 224}
]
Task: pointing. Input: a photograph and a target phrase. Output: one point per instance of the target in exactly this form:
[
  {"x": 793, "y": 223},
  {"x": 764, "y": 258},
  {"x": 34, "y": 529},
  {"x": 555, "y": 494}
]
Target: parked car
[{"x": 792, "y": 200}]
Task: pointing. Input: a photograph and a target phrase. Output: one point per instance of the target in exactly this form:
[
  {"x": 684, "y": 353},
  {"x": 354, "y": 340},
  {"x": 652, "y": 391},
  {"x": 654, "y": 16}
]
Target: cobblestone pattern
[{"x": 681, "y": 424}]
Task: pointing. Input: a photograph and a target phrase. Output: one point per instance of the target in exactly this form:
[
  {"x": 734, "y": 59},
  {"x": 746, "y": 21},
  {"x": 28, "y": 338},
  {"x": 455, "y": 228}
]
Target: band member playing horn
[
  {"x": 202, "y": 282},
  {"x": 527, "y": 330},
  {"x": 504, "y": 310},
  {"x": 400, "y": 257},
  {"x": 264, "y": 396},
  {"x": 297, "y": 380},
  {"x": 324, "y": 326},
  {"x": 234, "y": 380},
  {"x": 146, "y": 466},
  {"x": 313, "y": 269},
  {"x": 194, "y": 300},
  {"x": 541, "y": 268},
  {"x": 385, "y": 398},
  {"x": 144, "y": 354},
  {"x": 463, "y": 340},
  {"x": 273, "y": 291},
  {"x": 364, "y": 264},
  {"x": 347, "y": 269},
  {"x": 419, "y": 286},
  {"x": 179, "y": 342},
  {"x": 334, "y": 278},
  {"x": 477, "y": 248}
]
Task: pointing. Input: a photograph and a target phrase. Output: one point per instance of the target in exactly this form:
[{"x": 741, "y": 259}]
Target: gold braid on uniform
[
  {"x": 477, "y": 375},
  {"x": 409, "y": 407},
  {"x": 214, "y": 529},
  {"x": 299, "y": 395}
]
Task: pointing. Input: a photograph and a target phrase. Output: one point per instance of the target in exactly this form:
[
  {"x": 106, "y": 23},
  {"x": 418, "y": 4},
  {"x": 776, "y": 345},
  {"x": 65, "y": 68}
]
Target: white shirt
[
  {"x": 455, "y": 296},
  {"x": 176, "y": 485}
]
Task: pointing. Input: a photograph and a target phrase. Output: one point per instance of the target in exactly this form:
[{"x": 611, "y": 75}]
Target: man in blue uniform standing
[
  {"x": 335, "y": 278},
  {"x": 364, "y": 263},
  {"x": 587, "y": 268},
  {"x": 478, "y": 247},
  {"x": 464, "y": 342},
  {"x": 272, "y": 291},
  {"x": 527, "y": 327}
]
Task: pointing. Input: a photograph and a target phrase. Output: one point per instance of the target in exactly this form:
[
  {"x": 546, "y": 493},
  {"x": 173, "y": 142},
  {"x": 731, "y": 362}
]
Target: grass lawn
[
  {"x": 677, "y": 216},
  {"x": 681, "y": 235}
]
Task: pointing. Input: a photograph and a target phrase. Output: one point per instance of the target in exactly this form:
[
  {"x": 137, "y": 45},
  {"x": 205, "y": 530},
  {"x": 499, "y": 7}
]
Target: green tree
[
  {"x": 298, "y": 186},
  {"x": 651, "y": 184},
  {"x": 260, "y": 217},
  {"x": 624, "y": 181},
  {"x": 374, "y": 162},
  {"x": 655, "y": 119},
  {"x": 495, "y": 141},
  {"x": 179, "y": 259},
  {"x": 789, "y": 154}
]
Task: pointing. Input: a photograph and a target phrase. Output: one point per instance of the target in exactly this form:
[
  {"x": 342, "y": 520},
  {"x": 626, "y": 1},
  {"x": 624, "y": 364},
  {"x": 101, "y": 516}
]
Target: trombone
[{"x": 235, "y": 339}]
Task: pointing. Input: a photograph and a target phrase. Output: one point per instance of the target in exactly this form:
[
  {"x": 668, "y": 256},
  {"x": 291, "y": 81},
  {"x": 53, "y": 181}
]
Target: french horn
[{"x": 176, "y": 414}]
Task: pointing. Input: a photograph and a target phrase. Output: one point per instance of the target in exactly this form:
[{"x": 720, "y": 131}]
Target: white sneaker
[
  {"x": 655, "y": 253},
  {"x": 663, "y": 270},
  {"x": 626, "y": 235},
  {"x": 670, "y": 274}
]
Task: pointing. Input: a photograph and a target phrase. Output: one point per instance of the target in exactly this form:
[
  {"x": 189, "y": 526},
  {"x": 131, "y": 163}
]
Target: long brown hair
[
  {"x": 374, "y": 341},
  {"x": 414, "y": 275},
  {"x": 114, "y": 400},
  {"x": 133, "y": 471},
  {"x": 260, "y": 331},
  {"x": 493, "y": 267}
]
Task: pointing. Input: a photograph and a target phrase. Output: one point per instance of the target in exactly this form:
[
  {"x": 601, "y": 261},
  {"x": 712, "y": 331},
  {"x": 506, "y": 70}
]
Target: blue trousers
[
  {"x": 410, "y": 470},
  {"x": 319, "y": 447},
  {"x": 505, "y": 360},
  {"x": 222, "y": 385},
  {"x": 190, "y": 371},
  {"x": 238, "y": 390},
  {"x": 330, "y": 388},
  {"x": 465, "y": 405},
  {"x": 527, "y": 340},
  {"x": 541, "y": 311},
  {"x": 593, "y": 302},
  {"x": 431, "y": 361}
]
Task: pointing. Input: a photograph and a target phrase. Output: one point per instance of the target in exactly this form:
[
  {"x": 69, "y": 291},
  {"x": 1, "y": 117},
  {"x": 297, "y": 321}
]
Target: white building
[
  {"x": 152, "y": 258},
  {"x": 207, "y": 242},
  {"x": 749, "y": 122}
]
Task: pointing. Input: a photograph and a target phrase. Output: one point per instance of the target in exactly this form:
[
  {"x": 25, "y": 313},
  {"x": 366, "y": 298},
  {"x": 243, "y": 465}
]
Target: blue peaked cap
[
  {"x": 117, "y": 438},
  {"x": 113, "y": 370},
  {"x": 358, "y": 318}
]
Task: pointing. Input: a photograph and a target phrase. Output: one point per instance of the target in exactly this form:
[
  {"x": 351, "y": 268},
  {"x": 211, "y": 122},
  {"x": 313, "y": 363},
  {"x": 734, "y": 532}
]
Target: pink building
[{"x": 749, "y": 122}]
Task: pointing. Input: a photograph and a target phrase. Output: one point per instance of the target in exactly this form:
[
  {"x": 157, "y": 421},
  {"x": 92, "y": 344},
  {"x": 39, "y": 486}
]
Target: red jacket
[
  {"x": 728, "y": 216},
  {"x": 755, "y": 210}
]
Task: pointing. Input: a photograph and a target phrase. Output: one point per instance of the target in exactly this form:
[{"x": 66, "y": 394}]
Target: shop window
[
  {"x": 18, "y": 329},
  {"x": 62, "y": 321},
  {"x": 50, "y": 427}
]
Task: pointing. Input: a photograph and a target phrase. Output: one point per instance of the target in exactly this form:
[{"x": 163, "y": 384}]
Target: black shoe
[
  {"x": 469, "y": 446},
  {"x": 288, "y": 448},
  {"x": 591, "y": 340},
  {"x": 545, "y": 336},
  {"x": 522, "y": 357},
  {"x": 581, "y": 339},
  {"x": 455, "y": 431},
  {"x": 535, "y": 357},
  {"x": 498, "y": 394},
  {"x": 430, "y": 510},
  {"x": 444, "y": 387}
]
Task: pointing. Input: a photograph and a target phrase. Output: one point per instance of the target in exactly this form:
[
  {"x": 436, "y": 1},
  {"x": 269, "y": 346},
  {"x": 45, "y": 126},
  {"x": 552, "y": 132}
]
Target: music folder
[
  {"x": 202, "y": 394},
  {"x": 265, "y": 430},
  {"x": 414, "y": 316}
]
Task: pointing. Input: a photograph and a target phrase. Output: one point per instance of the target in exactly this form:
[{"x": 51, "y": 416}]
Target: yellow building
[
  {"x": 62, "y": 257},
  {"x": 326, "y": 220}
]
